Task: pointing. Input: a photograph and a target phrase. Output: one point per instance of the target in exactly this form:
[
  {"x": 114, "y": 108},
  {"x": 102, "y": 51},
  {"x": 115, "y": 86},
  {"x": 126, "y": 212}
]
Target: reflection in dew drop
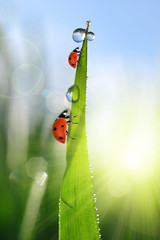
[
  {"x": 72, "y": 94},
  {"x": 55, "y": 101},
  {"x": 27, "y": 79},
  {"x": 45, "y": 93},
  {"x": 78, "y": 35},
  {"x": 90, "y": 36},
  {"x": 119, "y": 186}
]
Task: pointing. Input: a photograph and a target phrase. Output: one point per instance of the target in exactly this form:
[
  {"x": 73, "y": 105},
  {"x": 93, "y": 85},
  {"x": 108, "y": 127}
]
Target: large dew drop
[
  {"x": 78, "y": 35},
  {"x": 90, "y": 36},
  {"x": 72, "y": 94}
]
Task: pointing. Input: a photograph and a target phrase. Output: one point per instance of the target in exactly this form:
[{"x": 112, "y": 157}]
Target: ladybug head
[
  {"x": 76, "y": 49},
  {"x": 63, "y": 114}
]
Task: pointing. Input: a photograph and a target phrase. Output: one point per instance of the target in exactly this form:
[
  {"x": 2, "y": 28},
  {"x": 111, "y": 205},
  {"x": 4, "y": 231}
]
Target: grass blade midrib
[{"x": 77, "y": 207}]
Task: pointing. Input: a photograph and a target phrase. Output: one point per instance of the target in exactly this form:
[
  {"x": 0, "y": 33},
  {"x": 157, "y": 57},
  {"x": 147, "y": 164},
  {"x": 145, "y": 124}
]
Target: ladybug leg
[
  {"x": 78, "y": 62},
  {"x": 68, "y": 135},
  {"x": 73, "y": 116},
  {"x": 68, "y": 117},
  {"x": 71, "y": 122}
]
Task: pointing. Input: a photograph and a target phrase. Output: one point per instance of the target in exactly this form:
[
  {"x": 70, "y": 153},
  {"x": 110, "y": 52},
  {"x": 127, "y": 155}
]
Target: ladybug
[
  {"x": 72, "y": 59},
  {"x": 59, "y": 127}
]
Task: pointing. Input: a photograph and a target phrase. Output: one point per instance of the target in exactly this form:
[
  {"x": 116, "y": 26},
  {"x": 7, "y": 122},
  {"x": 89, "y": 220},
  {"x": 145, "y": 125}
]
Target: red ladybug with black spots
[
  {"x": 59, "y": 127},
  {"x": 73, "y": 57}
]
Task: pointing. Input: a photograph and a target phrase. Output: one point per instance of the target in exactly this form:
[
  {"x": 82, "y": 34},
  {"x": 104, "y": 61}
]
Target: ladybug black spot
[
  {"x": 60, "y": 137},
  {"x": 73, "y": 64},
  {"x": 70, "y": 58},
  {"x": 74, "y": 57},
  {"x": 55, "y": 129},
  {"x": 62, "y": 125}
]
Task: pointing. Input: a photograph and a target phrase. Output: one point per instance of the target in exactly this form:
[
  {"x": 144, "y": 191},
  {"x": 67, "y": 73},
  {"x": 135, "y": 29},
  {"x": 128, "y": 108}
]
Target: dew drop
[
  {"x": 90, "y": 36},
  {"x": 72, "y": 94},
  {"x": 78, "y": 35}
]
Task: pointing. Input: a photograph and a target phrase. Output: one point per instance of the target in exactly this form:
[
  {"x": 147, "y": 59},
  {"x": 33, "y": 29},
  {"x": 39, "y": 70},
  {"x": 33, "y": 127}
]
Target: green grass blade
[{"x": 77, "y": 208}]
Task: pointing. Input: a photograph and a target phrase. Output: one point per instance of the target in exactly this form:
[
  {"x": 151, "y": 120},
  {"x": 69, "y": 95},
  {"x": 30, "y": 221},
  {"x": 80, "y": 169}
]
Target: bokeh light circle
[
  {"x": 55, "y": 101},
  {"x": 15, "y": 53},
  {"x": 27, "y": 79}
]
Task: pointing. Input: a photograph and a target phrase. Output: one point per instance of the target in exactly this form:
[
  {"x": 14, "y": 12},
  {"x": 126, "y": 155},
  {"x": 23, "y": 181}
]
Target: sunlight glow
[
  {"x": 140, "y": 151},
  {"x": 133, "y": 162}
]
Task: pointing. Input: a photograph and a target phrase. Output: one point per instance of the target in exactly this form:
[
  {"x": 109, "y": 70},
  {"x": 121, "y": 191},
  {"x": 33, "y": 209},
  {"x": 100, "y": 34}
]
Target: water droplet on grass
[
  {"x": 90, "y": 36},
  {"x": 78, "y": 35},
  {"x": 72, "y": 94}
]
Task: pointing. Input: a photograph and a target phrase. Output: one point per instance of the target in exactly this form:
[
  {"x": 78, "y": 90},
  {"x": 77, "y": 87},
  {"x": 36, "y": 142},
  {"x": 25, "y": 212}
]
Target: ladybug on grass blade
[
  {"x": 59, "y": 127},
  {"x": 73, "y": 57}
]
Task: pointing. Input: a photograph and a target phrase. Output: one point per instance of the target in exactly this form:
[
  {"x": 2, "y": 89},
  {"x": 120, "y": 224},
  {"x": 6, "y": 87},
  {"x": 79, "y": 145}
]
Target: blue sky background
[{"x": 128, "y": 28}]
